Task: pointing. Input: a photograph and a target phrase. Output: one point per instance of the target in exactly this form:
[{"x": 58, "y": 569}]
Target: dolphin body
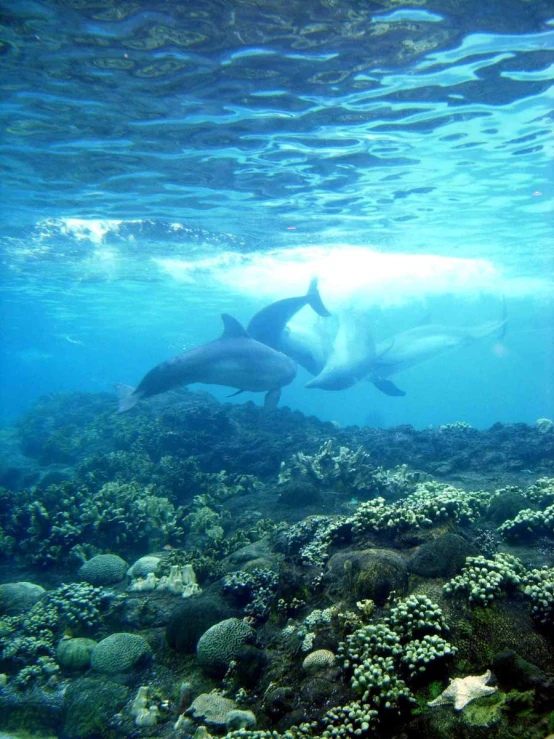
[
  {"x": 351, "y": 357},
  {"x": 234, "y": 360},
  {"x": 419, "y": 344},
  {"x": 269, "y": 325}
]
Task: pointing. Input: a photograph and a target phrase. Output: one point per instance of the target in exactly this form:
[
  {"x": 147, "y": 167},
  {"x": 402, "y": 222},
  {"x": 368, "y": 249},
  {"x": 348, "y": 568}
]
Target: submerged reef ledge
[{"x": 197, "y": 569}]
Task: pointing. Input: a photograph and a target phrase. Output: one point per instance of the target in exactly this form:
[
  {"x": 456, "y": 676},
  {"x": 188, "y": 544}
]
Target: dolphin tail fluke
[
  {"x": 315, "y": 301},
  {"x": 388, "y": 387},
  {"x": 125, "y": 397},
  {"x": 271, "y": 400}
]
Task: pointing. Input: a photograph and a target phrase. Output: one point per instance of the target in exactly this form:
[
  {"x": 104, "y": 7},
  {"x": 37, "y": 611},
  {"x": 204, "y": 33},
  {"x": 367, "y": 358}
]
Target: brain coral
[
  {"x": 104, "y": 569},
  {"x": 221, "y": 643},
  {"x": 120, "y": 653},
  {"x": 16, "y": 597},
  {"x": 211, "y": 709},
  {"x": 144, "y": 566},
  {"x": 318, "y": 660}
]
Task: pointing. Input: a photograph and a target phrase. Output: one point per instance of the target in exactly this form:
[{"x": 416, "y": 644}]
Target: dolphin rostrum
[
  {"x": 419, "y": 344},
  {"x": 234, "y": 360},
  {"x": 268, "y": 324}
]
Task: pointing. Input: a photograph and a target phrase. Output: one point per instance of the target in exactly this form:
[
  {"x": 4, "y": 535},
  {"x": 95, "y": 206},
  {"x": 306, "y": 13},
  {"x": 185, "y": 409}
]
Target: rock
[
  {"x": 441, "y": 557},
  {"x": 193, "y": 617},
  {"x": 17, "y": 597},
  {"x": 367, "y": 573},
  {"x": 249, "y": 665},
  {"x": 90, "y": 705},
  {"x": 505, "y": 505},
  {"x": 260, "y": 549},
  {"x": 278, "y": 701},
  {"x": 120, "y": 652},
  {"x": 320, "y": 691},
  {"x": 514, "y": 672},
  {"x": 298, "y": 494},
  {"x": 104, "y": 569},
  {"x": 38, "y": 709}
]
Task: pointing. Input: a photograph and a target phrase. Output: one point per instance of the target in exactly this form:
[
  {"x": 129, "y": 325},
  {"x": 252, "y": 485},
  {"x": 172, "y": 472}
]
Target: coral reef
[{"x": 377, "y": 592}]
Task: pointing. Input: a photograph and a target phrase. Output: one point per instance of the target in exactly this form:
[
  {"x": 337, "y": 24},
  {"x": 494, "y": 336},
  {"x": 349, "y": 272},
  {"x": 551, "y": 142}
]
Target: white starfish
[{"x": 462, "y": 690}]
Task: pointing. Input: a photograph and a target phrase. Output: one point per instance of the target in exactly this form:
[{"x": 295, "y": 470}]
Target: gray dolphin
[
  {"x": 268, "y": 325},
  {"x": 419, "y": 344},
  {"x": 351, "y": 357},
  {"x": 234, "y": 360},
  {"x": 308, "y": 347}
]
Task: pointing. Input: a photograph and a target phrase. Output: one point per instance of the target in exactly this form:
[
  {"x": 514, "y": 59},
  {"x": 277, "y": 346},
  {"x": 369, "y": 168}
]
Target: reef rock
[{"x": 368, "y": 573}]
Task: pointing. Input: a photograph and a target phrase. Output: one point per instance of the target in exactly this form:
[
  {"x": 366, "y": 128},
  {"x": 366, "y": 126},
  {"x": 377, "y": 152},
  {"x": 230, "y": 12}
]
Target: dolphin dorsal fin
[{"x": 232, "y": 329}]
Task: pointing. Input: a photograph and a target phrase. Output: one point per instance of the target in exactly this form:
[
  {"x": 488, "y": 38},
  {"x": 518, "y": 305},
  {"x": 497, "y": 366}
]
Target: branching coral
[
  {"x": 126, "y": 518},
  {"x": 431, "y": 503},
  {"x": 256, "y": 590},
  {"x": 528, "y": 524},
  {"x": 27, "y": 639},
  {"x": 539, "y": 588},
  {"x": 344, "y": 470},
  {"x": 377, "y": 654},
  {"x": 486, "y": 579}
]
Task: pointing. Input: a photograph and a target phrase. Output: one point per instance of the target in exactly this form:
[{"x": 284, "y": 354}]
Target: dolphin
[
  {"x": 234, "y": 360},
  {"x": 419, "y": 344},
  {"x": 268, "y": 324},
  {"x": 309, "y": 347},
  {"x": 351, "y": 357}
]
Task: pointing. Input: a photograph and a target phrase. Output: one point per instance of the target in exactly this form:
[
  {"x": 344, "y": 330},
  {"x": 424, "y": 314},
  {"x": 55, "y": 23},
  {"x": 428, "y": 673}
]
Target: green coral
[
  {"x": 27, "y": 638},
  {"x": 541, "y": 492},
  {"x": 484, "y": 580},
  {"x": 539, "y": 589},
  {"x": 74, "y": 654},
  {"x": 204, "y": 520},
  {"x": 431, "y": 503},
  {"x": 414, "y": 616},
  {"x": 419, "y": 654},
  {"x": 377, "y": 654},
  {"x": 528, "y": 524}
]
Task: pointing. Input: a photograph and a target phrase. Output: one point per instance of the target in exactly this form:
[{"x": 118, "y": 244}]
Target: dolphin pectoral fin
[
  {"x": 271, "y": 400},
  {"x": 314, "y": 300},
  {"x": 387, "y": 387},
  {"x": 125, "y": 397},
  {"x": 232, "y": 329},
  {"x": 237, "y": 393}
]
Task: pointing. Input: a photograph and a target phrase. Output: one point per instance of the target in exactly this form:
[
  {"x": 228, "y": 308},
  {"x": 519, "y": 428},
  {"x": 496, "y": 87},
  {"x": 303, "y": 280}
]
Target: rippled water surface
[{"x": 414, "y": 124}]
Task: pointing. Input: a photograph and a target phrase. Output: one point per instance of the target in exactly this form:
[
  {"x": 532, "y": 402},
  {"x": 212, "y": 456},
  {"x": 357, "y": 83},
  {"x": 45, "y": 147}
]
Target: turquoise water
[{"x": 165, "y": 163}]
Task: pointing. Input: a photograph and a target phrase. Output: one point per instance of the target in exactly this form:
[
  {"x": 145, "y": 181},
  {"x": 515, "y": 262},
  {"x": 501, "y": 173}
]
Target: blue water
[{"x": 164, "y": 163}]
